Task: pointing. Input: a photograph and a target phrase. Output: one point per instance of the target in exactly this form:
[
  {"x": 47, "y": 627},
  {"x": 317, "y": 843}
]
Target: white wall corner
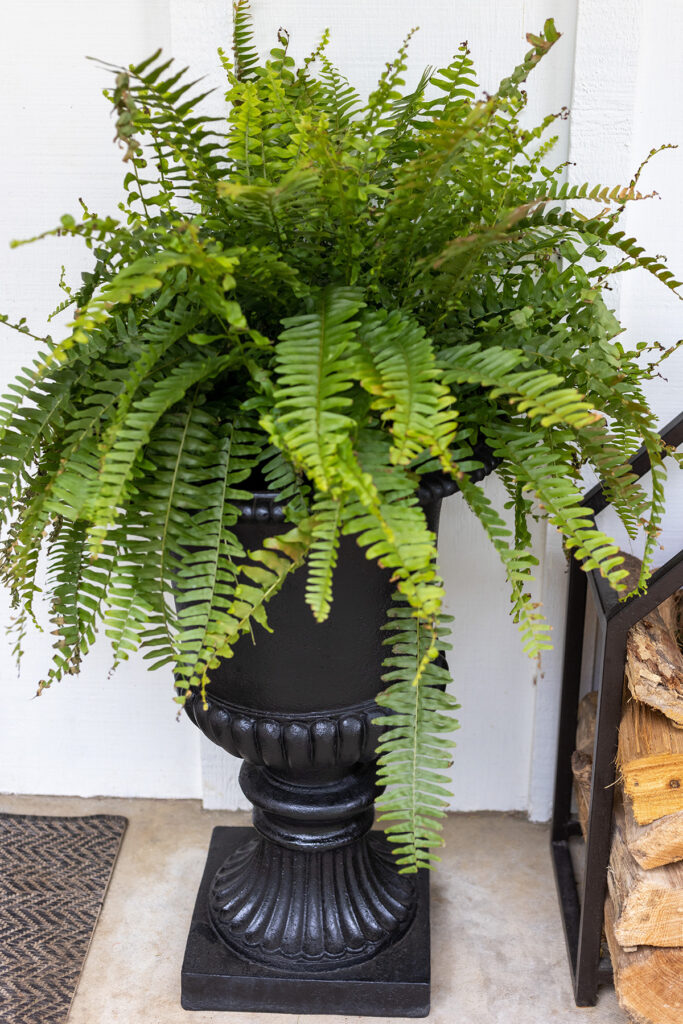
[{"x": 601, "y": 130}]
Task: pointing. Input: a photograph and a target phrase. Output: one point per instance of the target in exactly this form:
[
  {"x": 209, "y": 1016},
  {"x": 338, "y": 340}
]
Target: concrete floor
[{"x": 498, "y": 953}]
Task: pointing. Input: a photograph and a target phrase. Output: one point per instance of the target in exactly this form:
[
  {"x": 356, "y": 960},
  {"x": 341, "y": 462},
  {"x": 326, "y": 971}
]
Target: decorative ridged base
[
  {"x": 392, "y": 983},
  {"x": 311, "y": 911}
]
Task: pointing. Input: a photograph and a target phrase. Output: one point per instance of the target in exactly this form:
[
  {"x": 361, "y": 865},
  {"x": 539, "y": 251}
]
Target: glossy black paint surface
[
  {"x": 393, "y": 983},
  {"x": 304, "y": 664}
]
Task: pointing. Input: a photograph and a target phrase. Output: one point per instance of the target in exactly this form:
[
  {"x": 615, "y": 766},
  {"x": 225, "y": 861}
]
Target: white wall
[
  {"x": 91, "y": 735},
  {"x": 621, "y": 74}
]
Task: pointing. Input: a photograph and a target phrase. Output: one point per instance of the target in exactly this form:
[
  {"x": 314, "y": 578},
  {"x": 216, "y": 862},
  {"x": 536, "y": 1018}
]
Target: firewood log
[
  {"x": 648, "y": 905},
  {"x": 661, "y": 841},
  {"x": 650, "y": 760},
  {"x": 654, "y": 661},
  {"x": 649, "y": 981}
]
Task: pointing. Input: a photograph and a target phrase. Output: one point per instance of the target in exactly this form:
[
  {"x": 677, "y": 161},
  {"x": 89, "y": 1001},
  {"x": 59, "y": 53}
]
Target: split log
[
  {"x": 649, "y": 981},
  {"x": 654, "y": 661},
  {"x": 661, "y": 841},
  {"x": 648, "y": 905},
  {"x": 650, "y": 759}
]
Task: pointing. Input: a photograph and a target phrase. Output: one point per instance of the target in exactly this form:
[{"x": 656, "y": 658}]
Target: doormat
[{"x": 54, "y": 874}]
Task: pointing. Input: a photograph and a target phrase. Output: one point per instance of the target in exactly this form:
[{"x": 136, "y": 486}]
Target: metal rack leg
[
  {"x": 562, "y": 825},
  {"x": 611, "y": 680}
]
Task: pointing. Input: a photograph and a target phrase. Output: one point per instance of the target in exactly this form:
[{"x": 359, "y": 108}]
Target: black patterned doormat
[{"x": 54, "y": 874}]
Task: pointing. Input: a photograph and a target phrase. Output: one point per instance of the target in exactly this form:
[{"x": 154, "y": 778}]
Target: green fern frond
[
  {"x": 282, "y": 479},
  {"x": 78, "y": 589},
  {"x": 315, "y": 370},
  {"x": 119, "y": 461},
  {"x": 414, "y": 754},
  {"x": 535, "y": 392},
  {"x": 457, "y": 85},
  {"x": 596, "y": 231},
  {"x": 322, "y": 559},
  {"x": 538, "y": 467},
  {"x": 383, "y": 514},
  {"x": 246, "y": 55},
  {"x": 206, "y": 576},
  {"x": 259, "y": 580},
  {"x": 401, "y": 373},
  {"x": 337, "y": 96},
  {"x": 384, "y": 102}
]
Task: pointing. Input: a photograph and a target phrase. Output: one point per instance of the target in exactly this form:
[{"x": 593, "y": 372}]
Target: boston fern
[{"x": 340, "y": 297}]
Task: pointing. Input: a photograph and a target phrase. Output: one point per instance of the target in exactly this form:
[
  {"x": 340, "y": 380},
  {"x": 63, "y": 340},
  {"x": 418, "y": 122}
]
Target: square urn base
[{"x": 395, "y": 983}]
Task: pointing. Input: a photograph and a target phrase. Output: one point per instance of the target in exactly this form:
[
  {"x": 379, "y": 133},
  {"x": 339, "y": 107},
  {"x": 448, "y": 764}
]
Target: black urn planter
[{"x": 306, "y": 911}]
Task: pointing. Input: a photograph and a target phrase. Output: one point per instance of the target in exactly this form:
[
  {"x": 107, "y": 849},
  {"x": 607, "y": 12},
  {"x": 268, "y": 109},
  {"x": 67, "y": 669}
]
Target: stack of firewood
[{"x": 644, "y": 907}]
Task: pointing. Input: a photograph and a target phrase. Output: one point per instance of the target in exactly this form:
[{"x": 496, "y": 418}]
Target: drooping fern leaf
[
  {"x": 414, "y": 754},
  {"x": 322, "y": 559},
  {"x": 402, "y": 375},
  {"x": 134, "y": 432},
  {"x": 260, "y": 578}
]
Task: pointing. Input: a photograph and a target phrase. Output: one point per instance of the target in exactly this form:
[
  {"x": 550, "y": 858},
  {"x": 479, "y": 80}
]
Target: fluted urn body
[{"x": 310, "y": 894}]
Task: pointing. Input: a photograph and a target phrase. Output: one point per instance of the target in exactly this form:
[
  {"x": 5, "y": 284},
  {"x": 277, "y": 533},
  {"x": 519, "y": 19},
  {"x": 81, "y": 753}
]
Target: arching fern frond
[
  {"x": 337, "y": 96},
  {"x": 538, "y": 467},
  {"x": 383, "y": 513},
  {"x": 133, "y": 434},
  {"x": 205, "y": 576},
  {"x": 260, "y": 578},
  {"x": 401, "y": 372},
  {"x": 535, "y": 392},
  {"x": 457, "y": 86}
]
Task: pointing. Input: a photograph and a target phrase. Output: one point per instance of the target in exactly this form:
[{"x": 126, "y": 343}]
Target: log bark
[
  {"x": 648, "y": 981},
  {"x": 648, "y": 905},
  {"x": 650, "y": 759}
]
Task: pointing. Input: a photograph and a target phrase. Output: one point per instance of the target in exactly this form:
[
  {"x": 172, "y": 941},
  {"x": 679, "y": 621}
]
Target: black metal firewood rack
[{"x": 583, "y": 916}]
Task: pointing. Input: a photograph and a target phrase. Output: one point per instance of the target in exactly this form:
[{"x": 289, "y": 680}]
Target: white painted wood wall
[{"x": 617, "y": 67}]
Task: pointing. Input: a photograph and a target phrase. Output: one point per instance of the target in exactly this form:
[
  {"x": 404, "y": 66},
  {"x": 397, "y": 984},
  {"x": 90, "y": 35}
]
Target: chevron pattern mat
[{"x": 54, "y": 873}]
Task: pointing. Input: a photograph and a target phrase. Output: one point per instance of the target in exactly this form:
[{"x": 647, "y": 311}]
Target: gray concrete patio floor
[{"x": 498, "y": 953}]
